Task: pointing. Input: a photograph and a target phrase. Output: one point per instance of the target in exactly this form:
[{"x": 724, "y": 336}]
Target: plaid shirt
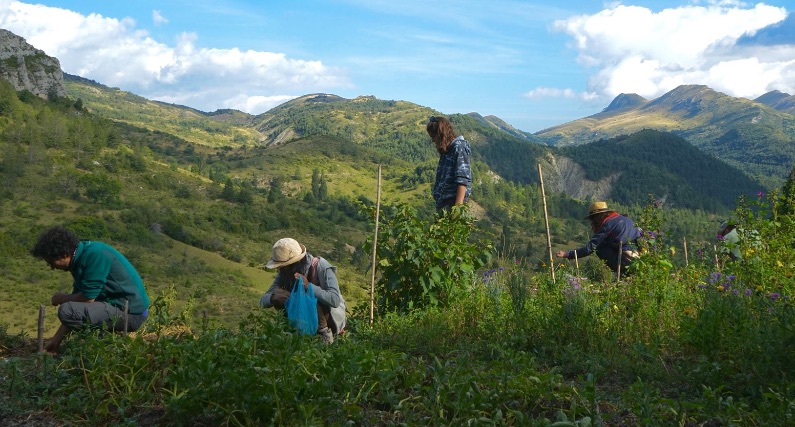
[{"x": 453, "y": 170}]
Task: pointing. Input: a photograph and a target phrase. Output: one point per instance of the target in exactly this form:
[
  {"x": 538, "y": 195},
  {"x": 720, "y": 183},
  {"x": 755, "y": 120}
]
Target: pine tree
[
  {"x": 316, "y": 184},
  {"x": 322, "y": 192},
  {"x": 228, "y": 193},
  {"x": 786, "y": 201}
]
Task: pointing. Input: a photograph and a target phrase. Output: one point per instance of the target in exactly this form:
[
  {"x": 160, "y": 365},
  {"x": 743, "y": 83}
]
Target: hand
[
  {"x": 279, "y": 297},
  {"x": 58, "y": 298},
  {"x": 562, "y": 254},
  {"x": 53, "y": 347},
  {"x": 304, "y": 279}
]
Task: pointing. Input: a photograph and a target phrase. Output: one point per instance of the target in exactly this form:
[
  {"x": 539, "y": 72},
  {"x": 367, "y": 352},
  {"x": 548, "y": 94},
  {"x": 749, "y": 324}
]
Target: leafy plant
[{"x": 427, "y": 265}]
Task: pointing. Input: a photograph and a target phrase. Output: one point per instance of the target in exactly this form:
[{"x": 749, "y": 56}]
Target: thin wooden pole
[
  {"x": 546, "y": 221},
  {"x": 577, "y": 263},
  {"x": 684, "y": 242},
  {"x": 717, "y": 261},
  {"x": 42, "y": 308},
  {"x": 375, "y": 245},
  {"x": 618, "y": 270},
  {"x": 126, "y": 315}
]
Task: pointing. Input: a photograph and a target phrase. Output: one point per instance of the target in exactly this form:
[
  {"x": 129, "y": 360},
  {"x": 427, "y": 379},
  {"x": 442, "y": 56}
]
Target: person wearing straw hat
[
  {"x": 105, "y": 283},
  {"x": 614, "y": 237},
  {"x": 291, "y": 260}
]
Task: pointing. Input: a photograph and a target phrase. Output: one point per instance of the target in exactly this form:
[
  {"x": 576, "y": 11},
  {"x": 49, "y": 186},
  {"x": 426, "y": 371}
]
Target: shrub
[{"x": 427, "y": 265}]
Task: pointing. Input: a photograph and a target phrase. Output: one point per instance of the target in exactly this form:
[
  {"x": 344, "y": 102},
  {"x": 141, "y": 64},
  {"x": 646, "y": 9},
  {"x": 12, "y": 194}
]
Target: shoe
[{"x": 326, "y": 335}]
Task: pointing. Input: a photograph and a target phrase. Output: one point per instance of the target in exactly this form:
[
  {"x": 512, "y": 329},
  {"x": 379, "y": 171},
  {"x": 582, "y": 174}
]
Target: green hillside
[{"x": 230, "y": 129}]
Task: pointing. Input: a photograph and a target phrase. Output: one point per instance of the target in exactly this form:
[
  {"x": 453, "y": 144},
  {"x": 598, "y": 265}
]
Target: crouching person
[
  {"x": 293, "y": 261},
  {"x": 104, "y": 280}
]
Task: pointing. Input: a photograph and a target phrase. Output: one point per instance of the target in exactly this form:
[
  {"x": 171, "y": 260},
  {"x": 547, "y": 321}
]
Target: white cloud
[
  {"x": 548, "y": 92},
  {"x": 634, "y": 50},
  {"x": 158, "y": 18},
  {"x": 94, "y": 46}
]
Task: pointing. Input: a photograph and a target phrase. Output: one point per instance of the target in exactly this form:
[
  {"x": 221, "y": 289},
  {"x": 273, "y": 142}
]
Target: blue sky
[{"x": 533, "y": 64}]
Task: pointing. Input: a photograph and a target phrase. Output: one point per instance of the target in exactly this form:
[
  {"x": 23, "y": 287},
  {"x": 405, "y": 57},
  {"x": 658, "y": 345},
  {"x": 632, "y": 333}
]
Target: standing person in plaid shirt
[{"x": 453, "y": 174}]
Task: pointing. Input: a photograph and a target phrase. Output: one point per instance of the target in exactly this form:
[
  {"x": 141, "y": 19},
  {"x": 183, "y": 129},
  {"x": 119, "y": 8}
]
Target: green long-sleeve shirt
[{"x": 103, "y": 274}]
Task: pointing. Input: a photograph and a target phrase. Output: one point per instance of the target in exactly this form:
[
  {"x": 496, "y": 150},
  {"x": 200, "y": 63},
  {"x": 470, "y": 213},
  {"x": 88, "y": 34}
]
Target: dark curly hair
[
  {"x": 55, "y": 243},
  {"x": 441, "y": 132}
]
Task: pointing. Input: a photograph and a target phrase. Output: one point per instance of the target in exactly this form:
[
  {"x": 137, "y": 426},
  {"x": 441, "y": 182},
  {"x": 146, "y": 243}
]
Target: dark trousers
[
  {"x": 323, "y": 316},
  {"x": 78, "y": 315}
]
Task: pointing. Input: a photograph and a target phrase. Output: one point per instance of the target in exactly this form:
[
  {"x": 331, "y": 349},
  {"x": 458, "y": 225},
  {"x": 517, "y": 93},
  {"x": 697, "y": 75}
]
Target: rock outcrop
[
  {"x": 563, "y": 175},
  {"x": 29, "y": 68}
]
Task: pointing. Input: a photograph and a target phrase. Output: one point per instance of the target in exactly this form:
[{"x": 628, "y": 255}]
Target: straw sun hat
[
  {"x": 597, "y": 208},
  {"x": 285, "y": 252}
]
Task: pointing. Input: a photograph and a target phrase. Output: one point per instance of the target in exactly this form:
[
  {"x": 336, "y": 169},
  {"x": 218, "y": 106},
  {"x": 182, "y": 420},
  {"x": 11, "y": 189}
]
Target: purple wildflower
[
  {"x": 760, "y": 194},
  {"x": 748, "y": 292},
  {"x": 702, "y": 286},
  {"x": 774, "y": 296}
]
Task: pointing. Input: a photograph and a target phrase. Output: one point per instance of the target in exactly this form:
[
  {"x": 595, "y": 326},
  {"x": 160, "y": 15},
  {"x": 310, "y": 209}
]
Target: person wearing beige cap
[
  {"x": 291, "y": 260},
  {"x": 614, "y": 236}
]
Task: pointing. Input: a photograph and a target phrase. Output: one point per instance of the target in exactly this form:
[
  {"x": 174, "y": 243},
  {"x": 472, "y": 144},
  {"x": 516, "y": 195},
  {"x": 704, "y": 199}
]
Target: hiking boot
[{"x": 326, "y": 335}]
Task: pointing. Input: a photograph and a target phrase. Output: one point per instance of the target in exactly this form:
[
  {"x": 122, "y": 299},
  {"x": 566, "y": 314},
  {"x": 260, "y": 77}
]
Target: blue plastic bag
[{"x": 302, "y": 308}]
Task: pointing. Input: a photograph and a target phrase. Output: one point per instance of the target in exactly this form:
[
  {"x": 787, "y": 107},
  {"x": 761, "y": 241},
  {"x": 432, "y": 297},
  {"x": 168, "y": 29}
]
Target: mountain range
[{"x": 755, "y": 136}]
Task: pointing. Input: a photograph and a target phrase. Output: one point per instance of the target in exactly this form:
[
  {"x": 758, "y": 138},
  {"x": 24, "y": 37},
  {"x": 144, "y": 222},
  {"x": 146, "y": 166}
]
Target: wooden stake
[
  {"x": 126, "y": 315},
  {"x": 375, "y": 245},
  {"x": 684, "y": 243},
  {"x": 546, "y": 221},
  {"x": 577, "y": 263},
  {"x": 41, "y": 328},
  {"x": 618, "y": 271}
]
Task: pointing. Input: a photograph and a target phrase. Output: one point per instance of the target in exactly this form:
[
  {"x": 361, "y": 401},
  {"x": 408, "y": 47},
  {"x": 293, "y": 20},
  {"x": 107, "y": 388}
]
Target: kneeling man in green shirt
[{"x": 104, "y": 280}]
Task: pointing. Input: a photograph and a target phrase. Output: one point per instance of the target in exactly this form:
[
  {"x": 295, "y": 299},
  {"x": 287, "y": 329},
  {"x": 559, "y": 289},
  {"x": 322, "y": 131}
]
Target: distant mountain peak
[
  {"x": 498, "y": 123},
  {"x": 772, "y": 97},
  {"x": 320, "y": 97},
  {"x": 625, "y": 101},
  {"x": 779, "y": 100}
]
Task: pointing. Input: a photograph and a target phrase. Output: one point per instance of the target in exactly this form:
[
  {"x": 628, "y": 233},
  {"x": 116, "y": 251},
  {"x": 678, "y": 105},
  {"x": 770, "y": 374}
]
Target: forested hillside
[{"x": 665, "y": 165}]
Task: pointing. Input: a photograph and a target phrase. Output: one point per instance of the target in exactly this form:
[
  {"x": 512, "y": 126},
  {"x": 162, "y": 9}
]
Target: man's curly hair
[{"x": 55, "y": 243}]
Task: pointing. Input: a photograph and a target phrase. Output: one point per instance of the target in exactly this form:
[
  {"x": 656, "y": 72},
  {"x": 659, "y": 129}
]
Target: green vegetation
[
  {"x": 186, "y": 123},
  {"x": 694, "y": 344},
  {"x": 662, "y": 164},
  {"x": 470, "y": 326}
]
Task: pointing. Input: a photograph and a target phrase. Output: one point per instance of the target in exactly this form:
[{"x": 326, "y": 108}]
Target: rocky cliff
[{"x": 29, "y": 68}]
